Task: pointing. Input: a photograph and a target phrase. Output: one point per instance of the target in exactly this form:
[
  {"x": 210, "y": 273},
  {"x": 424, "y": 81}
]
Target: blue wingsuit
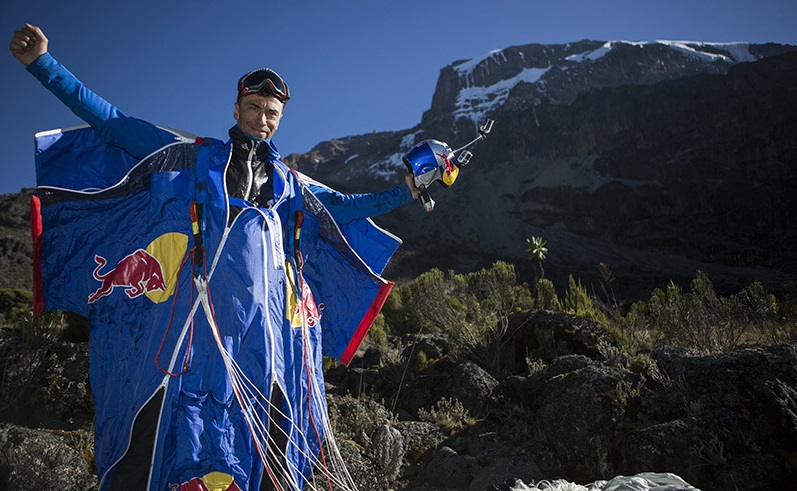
[{"x": 209, "y": 315}]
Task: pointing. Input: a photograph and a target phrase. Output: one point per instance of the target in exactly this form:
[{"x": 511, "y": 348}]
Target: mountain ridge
[{"x": 644, "y": 161}]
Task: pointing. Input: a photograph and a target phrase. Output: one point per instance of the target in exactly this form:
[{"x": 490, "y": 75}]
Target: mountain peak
[{"x": 473, "y": 89}]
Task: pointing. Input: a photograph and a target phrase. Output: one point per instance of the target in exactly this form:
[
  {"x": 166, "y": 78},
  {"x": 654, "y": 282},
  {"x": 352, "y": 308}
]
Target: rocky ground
[
  {"x": 556, "y": 399},
  {"x": 16, "y": 246}
]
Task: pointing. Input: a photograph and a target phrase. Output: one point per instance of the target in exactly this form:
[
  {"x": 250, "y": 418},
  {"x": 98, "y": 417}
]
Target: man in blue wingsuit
[{"x": 210, "y": 325}]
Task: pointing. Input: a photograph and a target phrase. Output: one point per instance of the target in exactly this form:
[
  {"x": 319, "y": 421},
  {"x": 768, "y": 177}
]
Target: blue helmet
[{"x": 432, "y": 160}]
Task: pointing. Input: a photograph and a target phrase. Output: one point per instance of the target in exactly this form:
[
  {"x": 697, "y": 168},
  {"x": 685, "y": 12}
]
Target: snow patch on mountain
[
  {"x": 737, "y": 52},
  {"x": 409, "y": 140},
  {"x": 476, "y": 103},
  {"x": 590, "y": 55},
  {"x": 386, "y": 168},
  {"x": 465, "y": 68}
]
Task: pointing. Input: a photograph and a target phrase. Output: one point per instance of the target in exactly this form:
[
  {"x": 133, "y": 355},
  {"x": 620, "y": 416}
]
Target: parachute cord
[
  {"x": 404, "y": 373},
  {"x": 240, "y": 397},
  {"x": 211, "y": 312},
  {"x": 256, "y": 427},
  {"x": 243, "y": 388},
  {"x": 171, "y": 319},
  {"x": 300, "y": 294},
  {"x": 306, "y": 361}
]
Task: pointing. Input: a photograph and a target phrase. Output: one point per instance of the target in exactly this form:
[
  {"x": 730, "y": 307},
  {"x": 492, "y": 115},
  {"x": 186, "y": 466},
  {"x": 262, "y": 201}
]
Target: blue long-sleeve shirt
[{"x": 139, "y": 138}]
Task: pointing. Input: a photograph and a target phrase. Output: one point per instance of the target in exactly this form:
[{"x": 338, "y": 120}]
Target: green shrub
[
  {"x": 350, "y": 417},
  {"x": 472, "y": 309},
  {"x": 577, "y": 301},
  {"x": 416, "y": 305},
  {"x": 15, "y": 303},
  {"x": 702, "y": 319},
  {"x": 448, "y": 414},
  {"x": 546, "y": 298},
  {"x": 42, "y": 330}
]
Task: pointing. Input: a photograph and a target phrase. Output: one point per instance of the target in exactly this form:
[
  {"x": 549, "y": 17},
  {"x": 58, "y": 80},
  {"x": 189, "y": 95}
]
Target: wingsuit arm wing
[
  {"x": 349, "y": 207},
  {"x": 136, "y": 136}
]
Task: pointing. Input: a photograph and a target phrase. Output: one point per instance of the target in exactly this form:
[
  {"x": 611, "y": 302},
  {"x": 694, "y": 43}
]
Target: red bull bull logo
[
  {"x": 447, "y": 164},
  {"x": 138, "y": 273},
  {"x": 450, "y": 171},
  {"x": 152, "y": 271}
]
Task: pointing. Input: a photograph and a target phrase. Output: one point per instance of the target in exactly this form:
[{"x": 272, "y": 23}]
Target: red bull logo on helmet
[
  {"x": 450, "y": 171},
  {"x": 447, "y": 164}
]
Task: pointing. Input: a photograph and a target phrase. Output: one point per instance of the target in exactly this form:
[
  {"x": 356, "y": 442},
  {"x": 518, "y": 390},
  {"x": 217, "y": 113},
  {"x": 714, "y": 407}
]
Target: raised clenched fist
[{"x": 28, "y": 43}]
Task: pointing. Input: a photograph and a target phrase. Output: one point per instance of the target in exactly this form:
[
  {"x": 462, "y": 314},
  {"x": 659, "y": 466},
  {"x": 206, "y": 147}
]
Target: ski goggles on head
[{"x": 264, "y": 80}]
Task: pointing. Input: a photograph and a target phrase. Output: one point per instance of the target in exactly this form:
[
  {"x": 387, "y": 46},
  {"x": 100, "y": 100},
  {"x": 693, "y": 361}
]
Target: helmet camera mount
[{"x": 433, "y": 160}]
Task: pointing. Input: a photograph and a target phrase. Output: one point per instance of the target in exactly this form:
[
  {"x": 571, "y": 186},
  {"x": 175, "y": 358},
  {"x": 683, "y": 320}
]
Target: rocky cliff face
[
  {"x": 559, "y": 73},
  {"x": 658, "y": 159}
]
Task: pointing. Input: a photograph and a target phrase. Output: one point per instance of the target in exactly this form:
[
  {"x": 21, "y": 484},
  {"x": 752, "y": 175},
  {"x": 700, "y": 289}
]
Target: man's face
[{"x": 258, "y": 115}]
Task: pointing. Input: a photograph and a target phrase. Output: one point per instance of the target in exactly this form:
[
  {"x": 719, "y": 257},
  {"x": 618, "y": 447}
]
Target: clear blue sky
[{"x": 353, "y": 66}]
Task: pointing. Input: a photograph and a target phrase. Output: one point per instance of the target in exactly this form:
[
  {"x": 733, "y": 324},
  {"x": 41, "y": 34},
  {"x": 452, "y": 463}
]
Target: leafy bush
[
  {"x": 14, "y": 304},
  {"x": 16, "y": 309},
  {"x": 577, "y": 301},
  {"x": 472, "y": 310},
  {"x": 350, "y": 417},
  {"x": 703, "y": 320},
  {"x": 408, "y": 308},
  {"x": 546, "y": 298},
  {"x": 448, "y": 414}
]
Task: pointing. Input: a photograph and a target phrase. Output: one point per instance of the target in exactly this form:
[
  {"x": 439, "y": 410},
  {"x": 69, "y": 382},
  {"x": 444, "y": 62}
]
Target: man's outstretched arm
[{"x": 139, "y": 138}]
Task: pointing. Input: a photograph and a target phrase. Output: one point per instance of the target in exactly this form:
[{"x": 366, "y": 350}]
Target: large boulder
[{"x": 38, "y": 459}]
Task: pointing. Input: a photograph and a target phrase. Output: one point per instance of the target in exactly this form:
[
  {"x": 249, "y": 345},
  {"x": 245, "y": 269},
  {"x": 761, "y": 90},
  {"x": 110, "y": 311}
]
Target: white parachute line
[
  {"x": 261, "y": 433},
  {"x": 335, "y": 462},
  {"x": 244, "y": 391},
  {"x": 233, "y": 370},
  {"x": 271, "y": 222},
  {"x": 248, "y": 391},
  {"x": 229, "y": 363},
  {"x": 189, "y": 318},
  {"x": 165, "y": 385},
  {"x": 339, "y": 472},
  {"x": 336, "y": 459},
  {"x": 260, "y": 428},
  {"x": 334, "y": 467}
]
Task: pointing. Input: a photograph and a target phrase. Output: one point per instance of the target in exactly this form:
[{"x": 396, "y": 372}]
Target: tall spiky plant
[{"x": 535, "y": 247}]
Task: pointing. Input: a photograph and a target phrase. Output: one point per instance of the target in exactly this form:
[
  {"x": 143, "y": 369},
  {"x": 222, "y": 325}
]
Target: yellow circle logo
[{"x": 169, "y": 249}]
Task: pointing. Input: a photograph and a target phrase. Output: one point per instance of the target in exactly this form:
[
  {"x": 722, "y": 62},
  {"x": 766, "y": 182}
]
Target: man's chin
[{"x": 257, "y": 135}]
